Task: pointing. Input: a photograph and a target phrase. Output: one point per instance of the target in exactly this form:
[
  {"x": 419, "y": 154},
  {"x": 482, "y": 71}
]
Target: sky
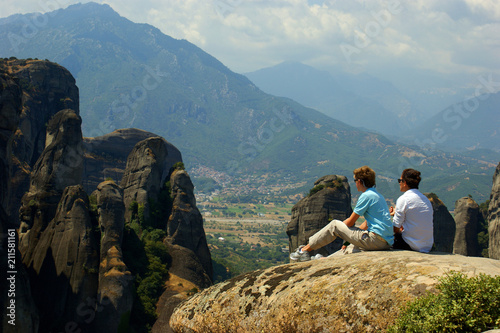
[{"x": 401, "y": 40}]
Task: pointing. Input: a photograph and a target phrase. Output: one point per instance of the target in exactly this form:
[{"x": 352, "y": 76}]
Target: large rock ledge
[{"x": 360, "y": 292}]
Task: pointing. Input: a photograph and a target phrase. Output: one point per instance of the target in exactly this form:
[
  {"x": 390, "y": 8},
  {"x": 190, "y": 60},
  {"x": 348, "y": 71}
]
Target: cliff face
[
  {"x": 444, "y": 225},
  {"x": 71, "y": 267},
  {"x": 146, "y": 171},
  {"x": 10, "y": 110},
  {"x": 362, "y": 292},
  {"x": 185, "y": 224},
  {"x": 494, "y": 216},
  {"x": 467, "y": 218},
  {"x": 47, "y": 88},
  {"x": 116, "y": 292},
  {"x": 106, "y": 156},
  {"x": 312, "y": 213}
]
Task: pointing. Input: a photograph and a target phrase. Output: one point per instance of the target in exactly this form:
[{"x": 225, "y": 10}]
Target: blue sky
[{"x": 458, "y": 39}]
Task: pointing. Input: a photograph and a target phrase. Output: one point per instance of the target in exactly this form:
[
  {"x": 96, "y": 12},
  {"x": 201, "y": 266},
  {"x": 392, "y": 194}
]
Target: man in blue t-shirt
[{"x": 376, "y": 233}]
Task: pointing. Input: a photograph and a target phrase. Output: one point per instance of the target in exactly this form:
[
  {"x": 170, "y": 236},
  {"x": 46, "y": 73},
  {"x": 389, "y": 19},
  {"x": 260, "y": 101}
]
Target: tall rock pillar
[
  {"x": 494, "y": 216},
  {"x": 330, "y": 199},
  {"x": 467, "y": 216}
]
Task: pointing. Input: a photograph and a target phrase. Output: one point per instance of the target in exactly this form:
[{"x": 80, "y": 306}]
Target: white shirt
[{"x": 414, "y": 212}]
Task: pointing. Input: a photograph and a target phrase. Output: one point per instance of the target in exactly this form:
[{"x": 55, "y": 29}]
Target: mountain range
[{"x": 133, "y": 75}]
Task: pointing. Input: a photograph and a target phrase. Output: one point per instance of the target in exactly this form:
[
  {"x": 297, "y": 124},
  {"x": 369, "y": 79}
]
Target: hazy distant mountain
[
  {"x": 473, "y": 124},
  {"x": 132, "y": 75},
  {"x": 358, "y": 100}
]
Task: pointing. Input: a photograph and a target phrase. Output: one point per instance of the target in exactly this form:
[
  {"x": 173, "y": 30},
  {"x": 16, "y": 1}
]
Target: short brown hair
[
  {"x": 366, "y": 174},
  {"x": 411, "y": 177}
]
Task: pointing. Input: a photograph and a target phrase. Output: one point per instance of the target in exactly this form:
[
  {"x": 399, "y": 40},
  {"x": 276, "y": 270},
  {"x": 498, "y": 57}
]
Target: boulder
[
  {"x": 444, "y": 225},
  {"x": 361, "y": 292},
  {"x": 467, "y": 219},
  {"x": 494, "y": 216},
  {"x": 312, "y": 213},
  {"x": 115, "y": 294}
]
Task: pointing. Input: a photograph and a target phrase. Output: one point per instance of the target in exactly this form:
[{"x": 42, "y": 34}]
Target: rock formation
[
  {"x": 115, "y": 294},
  {"x": 444, "y": 225},
  {"x": 106, "y": 156},
  {"x": 60, "y": 165},
  {"x": 145, "y": 174},
  {"x": 494, "y": 216},
  {"x": 362, "y": 292},
  {"x": 71, "y": 268},
  {"x": 467, "y": 217},
  {"x": 47, "y": 88},
  {"x": 185, "y": 225},
  {"x": 65, "y": 263},
  {"x": 331, "y": 201},
  {"x": 26, "y": 317}
]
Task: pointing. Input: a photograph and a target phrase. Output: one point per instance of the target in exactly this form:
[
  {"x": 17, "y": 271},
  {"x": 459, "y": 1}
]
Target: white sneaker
[{"x": 300, "y": 255}]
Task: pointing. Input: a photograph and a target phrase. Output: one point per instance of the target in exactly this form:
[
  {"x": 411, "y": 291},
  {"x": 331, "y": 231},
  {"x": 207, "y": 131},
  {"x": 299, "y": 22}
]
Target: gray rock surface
[
  {"x": 494, "y": 216},
  {"x": 185, "y": 224},
  {"x": 47, "y": 88},
  {"x": 444, "y": 225},
  {"x": 64, "y": 265},
  {"x": 116, "y": 289},
  {"x": 26, "y": 315},
  {"x": 312, "y": 213},
  {"x": 59, "y": 166},
  {"x": 362, "y": 292},
  {"x": 106, "y": 156},
  {"x": 467, "y": 221},
  {"x": 146, "y": 171}
]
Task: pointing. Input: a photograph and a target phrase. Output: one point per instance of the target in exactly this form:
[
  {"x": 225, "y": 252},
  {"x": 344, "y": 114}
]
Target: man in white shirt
[{"x": 413, "y": 216}]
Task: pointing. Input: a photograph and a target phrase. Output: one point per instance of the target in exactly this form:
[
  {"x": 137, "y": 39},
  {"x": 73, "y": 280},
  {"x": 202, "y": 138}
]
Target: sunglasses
[{"x": 400, "y": 180}]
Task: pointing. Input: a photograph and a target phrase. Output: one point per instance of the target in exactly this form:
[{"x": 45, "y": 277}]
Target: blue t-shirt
[{"x": 372, "y": 206}]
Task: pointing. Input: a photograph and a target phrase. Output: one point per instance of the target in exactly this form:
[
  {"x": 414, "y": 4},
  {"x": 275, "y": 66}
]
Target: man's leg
[{"x": 360, "y": 238}]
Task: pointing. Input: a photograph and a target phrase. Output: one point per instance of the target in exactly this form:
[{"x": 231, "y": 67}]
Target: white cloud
[{"x": 440, "y": 35}]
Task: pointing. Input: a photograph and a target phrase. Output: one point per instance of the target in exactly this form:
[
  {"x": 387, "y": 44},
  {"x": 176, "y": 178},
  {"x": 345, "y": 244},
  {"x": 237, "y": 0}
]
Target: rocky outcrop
[
  {"x": 467, "y": 219},
  {"x": 64, "y": 264},
  {"x": 106, "y": 156},
  {"x": 59, "y": 166},
  {"x": 145, "y": 174},
  {"x": 444, "y": 225},
  {"x": 362, "y": 292},
  {"x": 331, "y": 200},
  {"x": 25, "y": 317},
  {"x": 115, "y": 294},
  {"x": 494, "y": 216},
  {"x": 185, "y": 224},
  {"x": 47, "y": 88}
]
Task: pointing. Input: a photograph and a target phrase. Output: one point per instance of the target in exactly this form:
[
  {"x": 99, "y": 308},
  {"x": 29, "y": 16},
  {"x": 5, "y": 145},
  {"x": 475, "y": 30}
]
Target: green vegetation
[
  {"x": 462, "y": 305},
  {"x": 238, "y": 247},
  {"x": 146, "y": 256},
  {"x": 333, "y": 184},
  {"x": 483, "y": 235}
]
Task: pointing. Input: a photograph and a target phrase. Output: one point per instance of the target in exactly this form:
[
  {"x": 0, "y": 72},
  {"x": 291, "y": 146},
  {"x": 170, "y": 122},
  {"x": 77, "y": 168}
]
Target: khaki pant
[{"x": 363, "y": 239}]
